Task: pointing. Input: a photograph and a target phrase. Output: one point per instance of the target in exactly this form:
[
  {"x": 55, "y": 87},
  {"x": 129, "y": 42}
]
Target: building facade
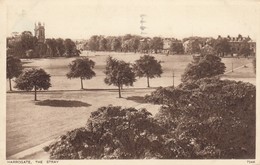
[{"x": 236, "y": 43}]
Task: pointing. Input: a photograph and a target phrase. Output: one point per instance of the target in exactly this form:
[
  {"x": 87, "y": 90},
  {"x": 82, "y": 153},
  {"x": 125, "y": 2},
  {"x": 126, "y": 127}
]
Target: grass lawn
[
  {"x": 65, "y": 107},
  {"x": 58, "y": 67},
  {"x": 30, "y": 123}
]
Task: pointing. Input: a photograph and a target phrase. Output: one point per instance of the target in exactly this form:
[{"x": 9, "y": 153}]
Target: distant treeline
[
  {"x": 27, "y": 46},
  {"x": 191, "y": 45},
  {"x": 126, "y": 43}
]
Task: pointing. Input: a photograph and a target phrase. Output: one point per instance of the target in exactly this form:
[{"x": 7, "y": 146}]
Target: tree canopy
[
  {"x": 192, "y": 46},
  {"x": 13, "y": 68},
  {"x": 36, "y": 79},
  {"x": 112, "y": 133},
  {"x": 177, "y": 47},
  {"x": 26, "y": 45},
  {"x": 156, "y": 44},
  {"x": 245, "y": 49},
  {"x": 206, "y": 119},
  {"x": 147, "y": 66},
  {"x": 119, "y": 73},
  {"x": 209, "y": 118},
  {"x": 222, "y": 46},
  {"x": 206, "y": 66},
  {"x": 81, "y": 68}
]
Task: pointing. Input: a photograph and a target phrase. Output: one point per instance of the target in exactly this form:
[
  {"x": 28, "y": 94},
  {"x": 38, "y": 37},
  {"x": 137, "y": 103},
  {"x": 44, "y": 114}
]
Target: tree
[
  {"x": 176, "y": 47},
  {"x": 51, "y": 47},
  {"x": 60, "y": 46},
  {"x": 192, "y": 45},
  {"x": 119, "y": 73},
  {"x": 93, "y": 43},
  {"x": 144, "y": 45},
  {"x": 210, "y": 118},
  {"x": 13, "y": 68},
  {"x": 147, "y": 66},
  {"x": 112, "y": 133},
  {"x": 36, "y": 79},
  {"x": 28, "y": 40},
  {"x": 206, "y": 66},
  {"x": 134, "y": 43},
  {"x": 102, "y": 44},
  {"x": 245, "y": 49},
  {"x": 116, "y": 44},
  {"x": 156, "y": 44},
  {"x": 207, "y": 50},
  {"x": 126, "y": 45},
  {"x": 19, "y": 44},
  {"x": 222, "y": 46},
  {"x": 70, "y": 48},
  {"x": 81, "y": 68}
]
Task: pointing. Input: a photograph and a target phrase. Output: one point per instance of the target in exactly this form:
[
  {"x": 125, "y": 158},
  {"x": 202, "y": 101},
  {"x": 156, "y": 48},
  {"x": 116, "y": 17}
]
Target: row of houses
[{"x": 235, "y": 43}]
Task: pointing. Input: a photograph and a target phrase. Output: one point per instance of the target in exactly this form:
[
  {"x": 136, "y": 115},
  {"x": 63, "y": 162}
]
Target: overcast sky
[{"x": 78, "y": 19}]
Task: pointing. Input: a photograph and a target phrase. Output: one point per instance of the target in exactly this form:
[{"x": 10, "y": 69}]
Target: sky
[{"x": 79, "y": 19}]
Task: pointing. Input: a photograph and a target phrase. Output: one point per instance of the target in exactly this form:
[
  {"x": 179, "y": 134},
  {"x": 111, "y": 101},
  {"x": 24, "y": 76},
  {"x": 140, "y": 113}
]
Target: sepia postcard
[{"x": 129, "y": 82}]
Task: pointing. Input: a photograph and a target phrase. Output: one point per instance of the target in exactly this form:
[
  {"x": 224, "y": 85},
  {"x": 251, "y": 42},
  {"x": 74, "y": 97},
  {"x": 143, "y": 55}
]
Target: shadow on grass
[
  {"x": 138, "y": 99},
  {"x": 62, "y": 103}
]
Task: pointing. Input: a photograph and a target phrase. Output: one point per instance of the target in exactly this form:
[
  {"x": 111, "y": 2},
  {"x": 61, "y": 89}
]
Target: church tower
[{"x": 39, "y": 32}]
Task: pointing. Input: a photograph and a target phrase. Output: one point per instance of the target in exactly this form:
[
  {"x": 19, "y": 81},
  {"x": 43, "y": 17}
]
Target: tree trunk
[
  {"x": 148, "y": 84},
  {"x": 81, "y": 81},
  {"x": 119, "y": 91},
  {"x": 10, "y": 84},
  {"x": 35, "y": 95}
]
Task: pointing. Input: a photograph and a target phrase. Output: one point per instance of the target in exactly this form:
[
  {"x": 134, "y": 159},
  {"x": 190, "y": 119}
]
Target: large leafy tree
[
  {"x": 206, "y": 66},
  {"x": 176, "y": 47},
  {"x": 119, "y": 73},
  {"x": 147, "y": 66},
  {"x": 134, "y": 43},
  {"x": 28, "y": 41},
  {"x": 51, "y": 47},
  {"x": 81, "y": 68},
  {"x": 126, "y": 45},
  {"x": 60, "y": 46},
  {"x": 245, "y": 49},
  {"x": 116, "y": 44},
  {"x": 192, "y": 45},
  {"x": 156, "y": 44},
  {"x": 13, "y": 68},
  {"x": 112, "y": 133},
  {"x": 93, "y": 43},
  {"x": 144, "y": 45},
  {"x": 70, "y": 48},
  {"x": 222, "y": 46},
  {"x": 21, "y": 44},
  {"x": 207, "y": 50},
  {"x": 102, "y": 44},
  {"x": 210, "y": 118},
  {"x": 36, "y": 79}
]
